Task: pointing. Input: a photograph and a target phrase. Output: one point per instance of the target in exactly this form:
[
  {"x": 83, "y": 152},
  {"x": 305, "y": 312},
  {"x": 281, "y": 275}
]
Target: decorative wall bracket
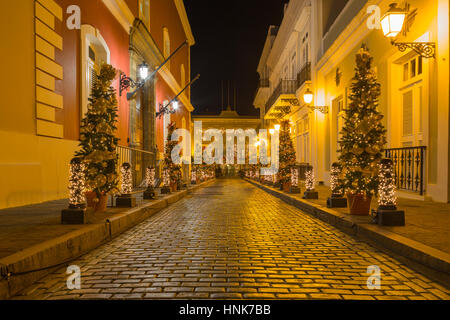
[
  {"x": 424, "y": 49},
  {"x": 125, "y": 83},
  {"x": 323, "y": 109}
]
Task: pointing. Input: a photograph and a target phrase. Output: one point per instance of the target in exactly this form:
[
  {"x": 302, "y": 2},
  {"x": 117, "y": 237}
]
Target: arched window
[
  {"x": 183, "y": 76},
  {"x": 166, "y": 44},
  {"x": 94, "y": 52}
]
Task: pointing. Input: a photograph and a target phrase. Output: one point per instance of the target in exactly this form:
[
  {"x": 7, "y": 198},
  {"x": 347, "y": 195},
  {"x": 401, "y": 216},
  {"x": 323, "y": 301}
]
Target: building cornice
[
  {"x": 121, "y": 12},
  {"x": 185, "y": 21},
  {"x": 353, "y": 34}
]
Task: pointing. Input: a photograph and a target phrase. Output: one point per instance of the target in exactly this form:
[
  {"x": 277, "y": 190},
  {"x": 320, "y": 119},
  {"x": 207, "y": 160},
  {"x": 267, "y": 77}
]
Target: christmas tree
[
  {"x": 287, "y": 153},
  {"x": 97, "y": 140},
  {"x": 363, "y": 135},
  {"x": 174, "y": 169}
]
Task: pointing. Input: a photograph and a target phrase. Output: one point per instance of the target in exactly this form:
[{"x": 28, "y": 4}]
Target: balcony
[
  {"x": 409, "y": 168},
  {"x": 285, "y": 90},
  {"x": 304, "y": 74}
]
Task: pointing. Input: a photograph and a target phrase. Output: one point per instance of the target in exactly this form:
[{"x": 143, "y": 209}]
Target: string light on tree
[
  {"x": 387, "y": 213},
  {"x": 294, "y": 177},
  {"x": 77, "y": 184},
  {"x": 310, "y": 180},
  {"x": 127, "y": 179},
  {"x": 337, "y": 199},
  {"x": 150, "y": 177},
  {"x": 386, "y": 188},
  {"x": 310, "y": 183}
]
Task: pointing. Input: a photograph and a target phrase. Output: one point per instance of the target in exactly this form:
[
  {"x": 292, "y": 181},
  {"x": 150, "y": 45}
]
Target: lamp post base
[
  {"x": 311, "y": 195},
  {"x": 336, "y": 202},
  {"x": 126, "y": 201},
  {"x": 73, "y": 216}
]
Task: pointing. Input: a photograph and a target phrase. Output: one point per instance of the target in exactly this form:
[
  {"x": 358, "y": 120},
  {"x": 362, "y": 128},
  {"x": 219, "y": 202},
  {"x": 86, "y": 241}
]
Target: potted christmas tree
[
  {"x": 98, "y": 142},
  {"x": 287, "y": 157},
  {"x": 363, "y": 137}
]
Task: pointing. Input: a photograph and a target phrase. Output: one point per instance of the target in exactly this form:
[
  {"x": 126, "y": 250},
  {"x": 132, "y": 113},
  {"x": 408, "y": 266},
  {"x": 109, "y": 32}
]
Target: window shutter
[{"x": 407, "y": 113}]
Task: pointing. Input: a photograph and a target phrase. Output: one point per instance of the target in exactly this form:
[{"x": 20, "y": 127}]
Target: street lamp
[
  {"x": 277, "y": 127},
  {"x": 393, "y": 22},
  {"x": 272, "y": 131},
  {"x": 308, "y": 98},
  {"x": 127, "y": 82}
]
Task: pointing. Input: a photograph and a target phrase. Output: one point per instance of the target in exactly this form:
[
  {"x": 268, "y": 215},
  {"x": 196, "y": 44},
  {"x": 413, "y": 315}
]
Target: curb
[
  {"x": 50, "y": 255},
  {"x": 427, "y": 256}
]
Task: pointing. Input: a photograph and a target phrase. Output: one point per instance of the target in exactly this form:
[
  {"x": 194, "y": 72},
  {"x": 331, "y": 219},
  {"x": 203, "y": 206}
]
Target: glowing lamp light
[
  {"x": 308, "y": 96},
  {"x": 392, "y": 22},
  {"x": 272, "y": 131},
  {"x": 143, "y": 70},
  {"x": 277, "y": 127},
  {"x": 175, "y": 105}
]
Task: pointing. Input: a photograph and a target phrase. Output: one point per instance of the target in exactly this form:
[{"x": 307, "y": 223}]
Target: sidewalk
[
  {"x": 424, "y": 239},
  {"x": 33, "y": 238}
]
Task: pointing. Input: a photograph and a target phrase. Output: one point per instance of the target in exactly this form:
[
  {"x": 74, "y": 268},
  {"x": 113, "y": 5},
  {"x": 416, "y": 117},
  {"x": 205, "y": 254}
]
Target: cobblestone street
[{"x": 231, "y": 240}]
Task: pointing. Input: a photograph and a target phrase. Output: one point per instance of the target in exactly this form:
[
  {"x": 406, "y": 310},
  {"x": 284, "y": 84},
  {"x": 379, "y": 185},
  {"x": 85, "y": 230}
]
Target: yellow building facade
[
  {"x": 414, "y": 95},
  {"x": 34, "y": 159}
]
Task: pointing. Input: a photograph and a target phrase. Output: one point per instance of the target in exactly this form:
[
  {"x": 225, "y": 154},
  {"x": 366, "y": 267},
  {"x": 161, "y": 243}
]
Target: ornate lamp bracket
[
  {"x": 125, "y": 83},
  {"x": 323, "y": 109},
  {"x": 424, "y": 49}
]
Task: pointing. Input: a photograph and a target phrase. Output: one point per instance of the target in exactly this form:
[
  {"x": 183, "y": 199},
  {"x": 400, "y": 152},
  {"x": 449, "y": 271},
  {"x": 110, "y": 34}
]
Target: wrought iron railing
[
  {"x": 409, "y": 167},
  {"x": 139, "y": 160},
  {"x": 284, "y": 87},
  {"x": 304, "y": 74}
]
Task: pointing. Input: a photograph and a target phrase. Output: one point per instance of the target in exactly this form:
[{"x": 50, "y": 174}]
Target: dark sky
[{"x": 229, "y": 39}]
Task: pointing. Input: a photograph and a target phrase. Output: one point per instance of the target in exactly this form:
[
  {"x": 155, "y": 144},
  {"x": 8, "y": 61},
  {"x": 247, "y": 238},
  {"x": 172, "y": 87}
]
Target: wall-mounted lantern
[
  {"x": 308, "y": 98},
  {"x": 127, "y": 82},
  {"x": 397, "y": 19}
]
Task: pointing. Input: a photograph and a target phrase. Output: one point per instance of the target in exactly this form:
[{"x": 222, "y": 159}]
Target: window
[
  {"x": 412, "y": 68},
  {"x": 94, "y": 52},
  {"x": 305, "y": 50},
  {"x": 144, "y": 12},
  {"x": 166, "y": 44},
  {"x": 293, "y": 66}
]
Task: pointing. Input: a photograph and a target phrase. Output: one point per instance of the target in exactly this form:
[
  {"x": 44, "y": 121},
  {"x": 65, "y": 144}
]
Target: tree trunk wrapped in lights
[
  {"x": 310, "y": 185},
  {"x": 173, "y": 169},
  {"x": 337, "y": 199},
  {"x": 363, "y": 137},
  {"x": 149, "y": 193},
  {"x": 294, "y": 180},
  {"x": 77, "y": 198},
  {"x": 76, "y": 213},
  {"x": 387, "y": 213},
  {"x": 126, "y": 199},
  {"x": 165, "y": 189}
]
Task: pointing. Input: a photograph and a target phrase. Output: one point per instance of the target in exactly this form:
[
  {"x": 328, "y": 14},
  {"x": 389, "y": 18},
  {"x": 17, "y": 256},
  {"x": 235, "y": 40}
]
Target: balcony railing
[
  {"x": 139, "y": 160},
  {"x": 284, "y": 87},
  {"x": 409, "y": 168},
  {"x": 304, "y": 74}
]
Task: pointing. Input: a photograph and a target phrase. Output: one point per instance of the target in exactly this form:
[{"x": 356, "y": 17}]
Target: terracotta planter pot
[
  {"x": 286, "y": 187},
  {"x": 98, "y": 206},
  {"x": 359, "y": 204}
]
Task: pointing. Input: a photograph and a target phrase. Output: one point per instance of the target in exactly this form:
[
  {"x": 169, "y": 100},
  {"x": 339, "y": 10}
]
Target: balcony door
[{"x": 412, "y": 103}]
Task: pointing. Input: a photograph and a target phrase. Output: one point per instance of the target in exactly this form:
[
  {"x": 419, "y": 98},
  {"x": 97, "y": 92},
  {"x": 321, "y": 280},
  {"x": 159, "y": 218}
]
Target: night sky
[{"x": 229, "y": 38}]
